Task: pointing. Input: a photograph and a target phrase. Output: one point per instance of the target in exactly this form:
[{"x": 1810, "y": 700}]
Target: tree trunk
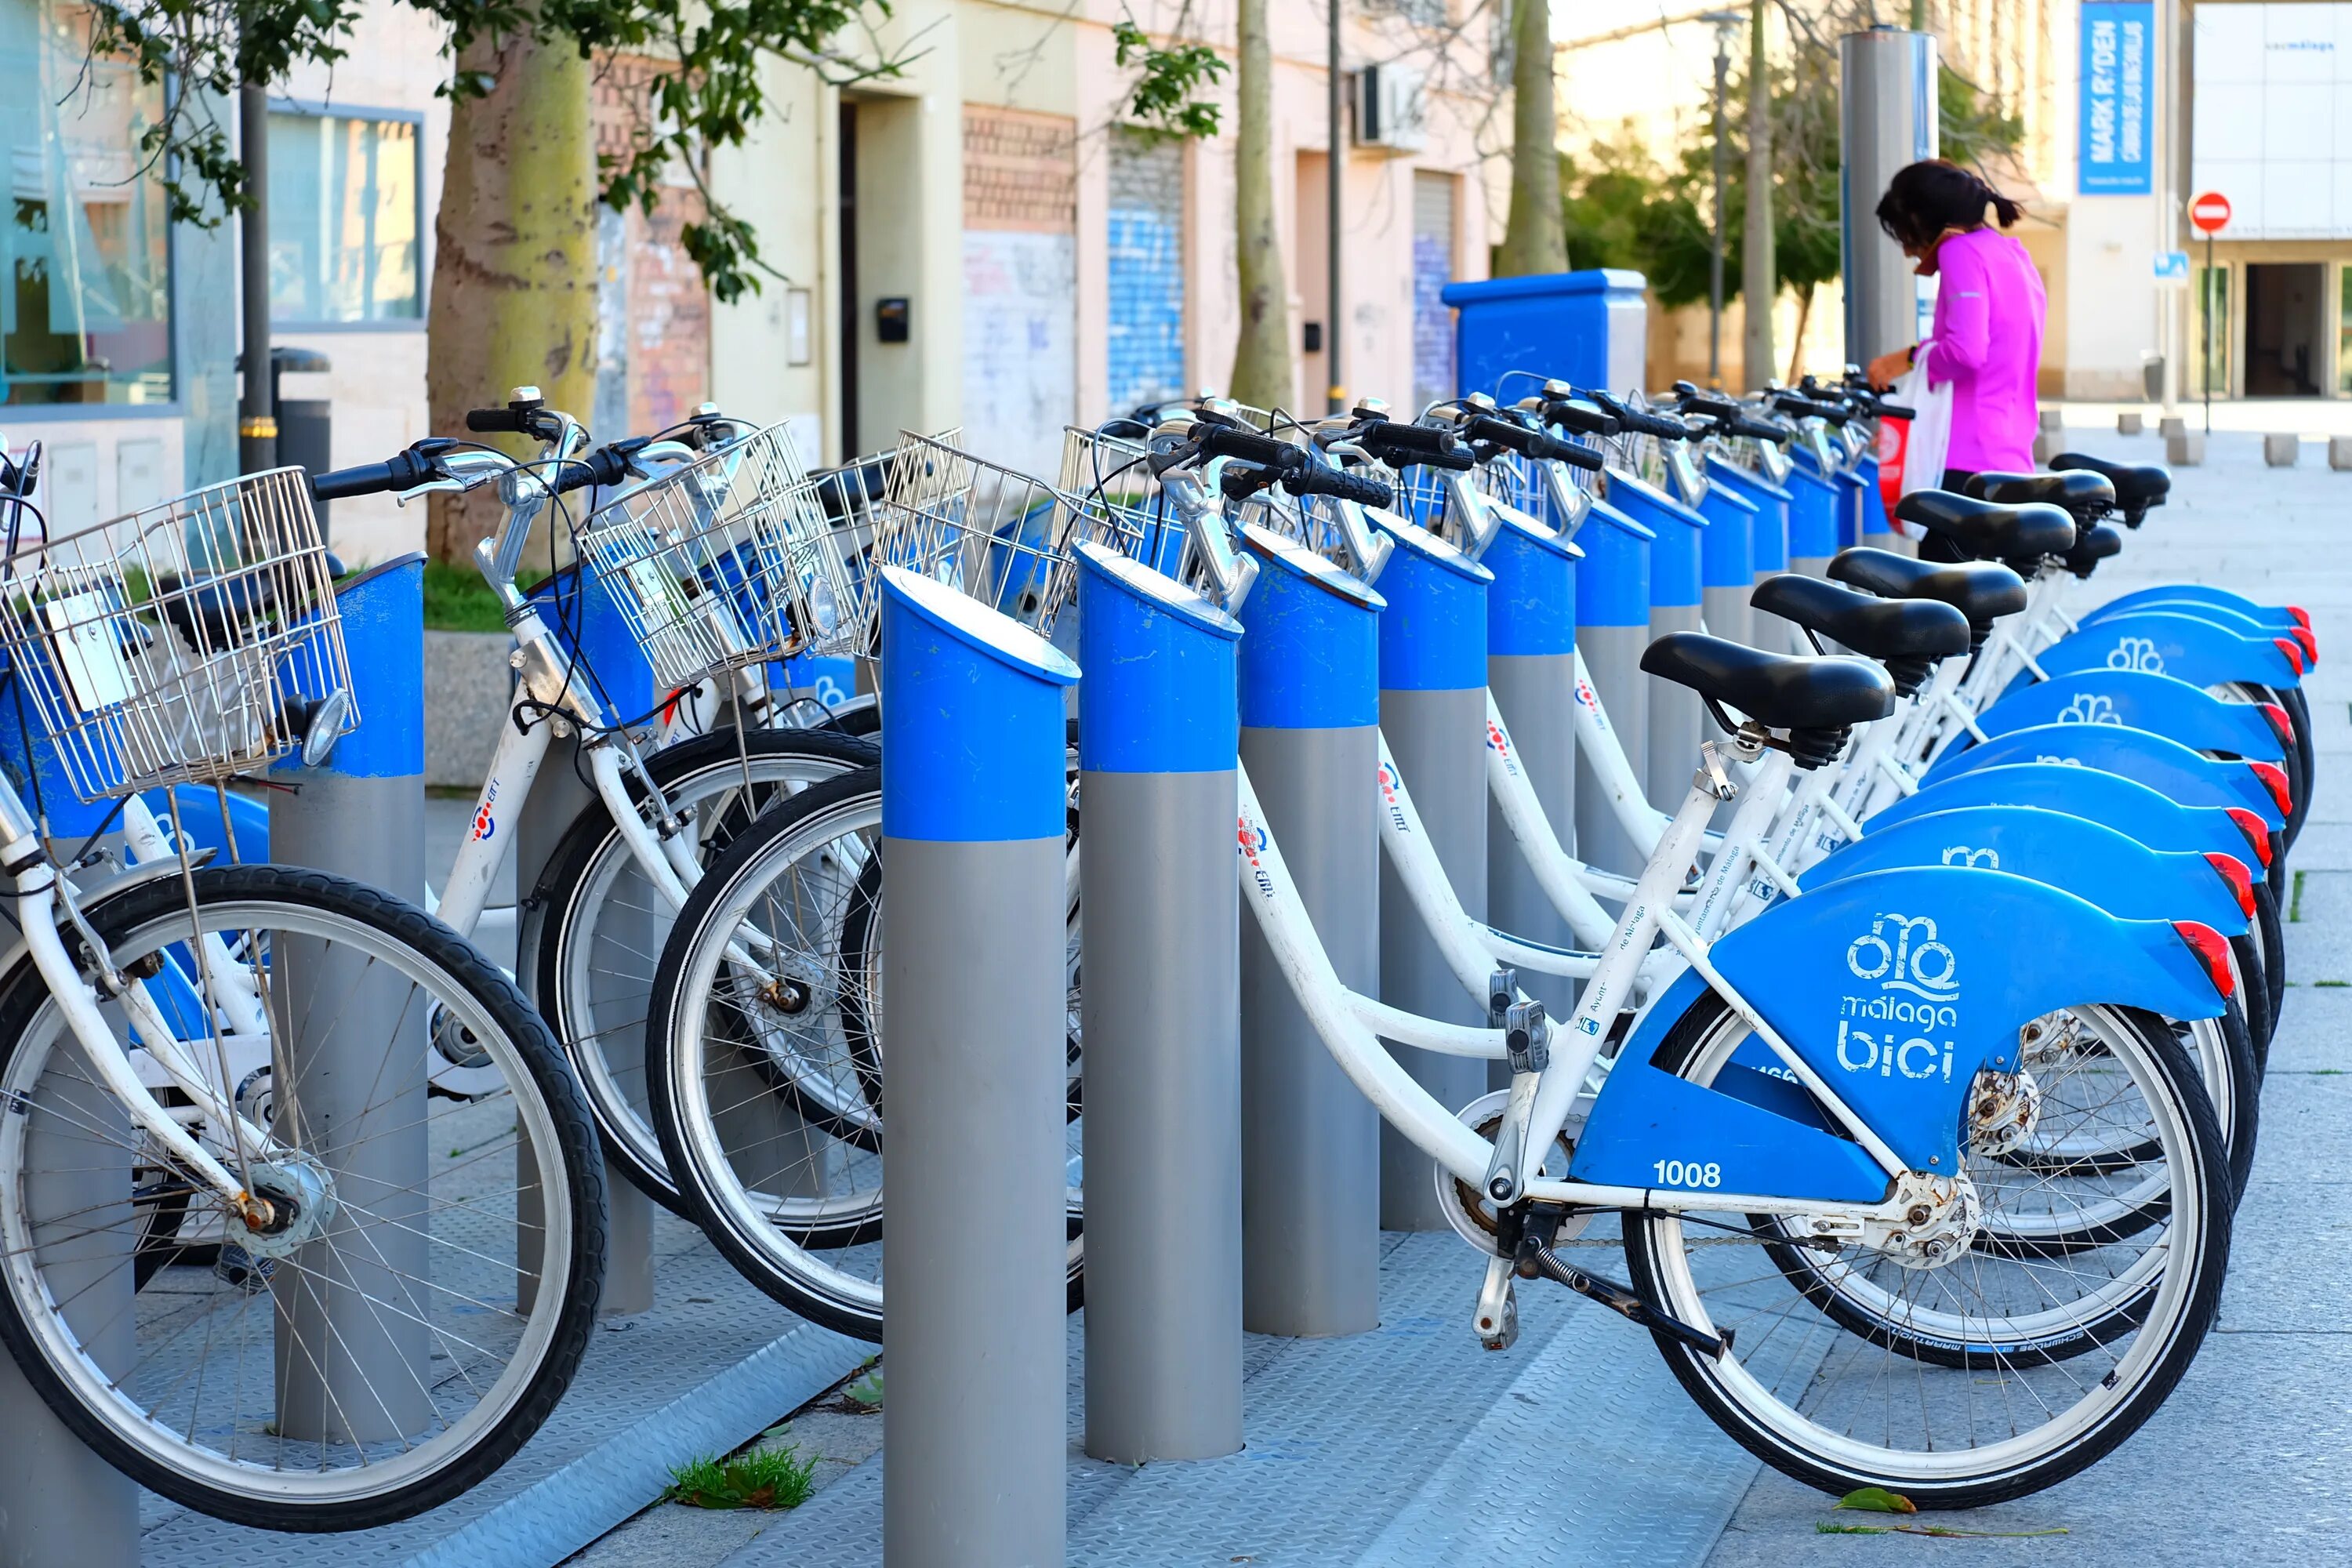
[
  {"x": 1536, "y": 239},
  {"x": 514, "y": 259},
  {"x": 1797, "y": 349},
  {"x": 1758, "y": 270},
  {"x": 1261, "y": 363}
]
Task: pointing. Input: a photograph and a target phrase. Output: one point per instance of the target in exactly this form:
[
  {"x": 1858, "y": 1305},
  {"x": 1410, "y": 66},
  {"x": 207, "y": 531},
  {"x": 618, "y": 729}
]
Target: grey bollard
[
  {"x": 557, "y": 796},
  {"x": 1612, "y": 628},
  {"x": 2281, "y": 450},
  {"x": 1310, "y": 1142},
  {"x": 973, "y": 914},
  {"x": 2339, "y": 452},
  {"x": 2187, "y": 450},
  {"x": 2171, "y": 424},
  {"x": 1531, "y": 675},
  {"x": 60, "y": 1503},
  {"x": 1162, "y": 1009},
  {"x": 2130, "y": 423},
  {"x": 346, "y": 1371},
  {"x": 1433, "y": 641},
  {"x": 1677, "y": 716}
]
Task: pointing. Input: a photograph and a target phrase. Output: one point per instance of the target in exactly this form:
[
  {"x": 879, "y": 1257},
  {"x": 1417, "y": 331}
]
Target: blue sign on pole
[{"x": 2118, "y": 61}]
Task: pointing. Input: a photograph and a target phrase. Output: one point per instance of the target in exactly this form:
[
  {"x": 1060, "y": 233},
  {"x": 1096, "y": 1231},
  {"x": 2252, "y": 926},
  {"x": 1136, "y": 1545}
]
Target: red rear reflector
[
  {"x": 2256, "y": 834},
  {"x": 2212, "y": 953},
  {"x": 2293, "y": 651},
  {"x": 2279, "y": 720},
  {"x": 2241, "y": 882},
  {"x": 2274, "y": 777},
  {"x": 2302, "y": 617},
  {"x": 2310, "y": 641}
]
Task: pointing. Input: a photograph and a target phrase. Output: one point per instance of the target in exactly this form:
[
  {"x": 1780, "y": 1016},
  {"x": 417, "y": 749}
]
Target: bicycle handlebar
[
  {"x": 1316, "y": 481},
  {"x": 1532, "y": 444},
  {"x": 1265, "y": 451},
  {"x": 1403, "y": 446}
]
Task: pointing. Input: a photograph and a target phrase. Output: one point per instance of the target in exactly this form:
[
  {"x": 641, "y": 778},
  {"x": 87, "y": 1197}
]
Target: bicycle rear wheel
[{"x": 434, "y": 1279}]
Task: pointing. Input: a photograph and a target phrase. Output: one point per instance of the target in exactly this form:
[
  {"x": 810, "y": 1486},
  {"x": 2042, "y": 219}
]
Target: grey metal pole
[
  {"x": 974, "y": 912},
  {"x": 1531, "y": 673},
  {"x": 1887, "y": 119},
  {"x": 1334, "y": 399},
  {"x": 1310, "y": 1142},
  {"x": 1434, "y": 718},
  {"x": 1759, "y": 268},
  {"x": 60, "y": 1503},
  {"x": 1612, "y": 627},
  {"x": 257, "y": 407},
  {"x": 1162, "y": 1007},
  {"x": 347, "y": 1371}
]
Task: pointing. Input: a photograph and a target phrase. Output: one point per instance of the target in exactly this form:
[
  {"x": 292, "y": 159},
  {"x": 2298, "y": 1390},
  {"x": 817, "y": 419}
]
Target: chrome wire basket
[
  {"x": 981, "y": 528},
  {"x": 714, "y": 565},
  {"x": 1108, "y": 480},
  {"x": 190, "y": 642},
  {"x": 843, "y": 508}
]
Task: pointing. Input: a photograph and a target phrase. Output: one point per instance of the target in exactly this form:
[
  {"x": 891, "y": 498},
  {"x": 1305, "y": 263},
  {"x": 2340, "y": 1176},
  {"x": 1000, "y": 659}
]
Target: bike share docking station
[
  {"x": 974, "y": 909},
  {"x": 1310, "y": 673},
  {"x": 1769, "y": 554},
  {"x": 1433, "y": 723},
  {"x": 1612, "y": 628},
  {"x": 1671, "y": 734},
  {"x": 1158, "y": 739}
]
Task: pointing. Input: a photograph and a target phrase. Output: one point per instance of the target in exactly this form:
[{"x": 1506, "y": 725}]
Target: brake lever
[{"x": 430, "y": 487}]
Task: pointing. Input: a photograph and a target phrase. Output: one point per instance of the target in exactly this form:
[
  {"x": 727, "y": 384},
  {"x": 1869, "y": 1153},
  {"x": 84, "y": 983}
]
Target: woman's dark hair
[{"x": 1927, "y": 197}]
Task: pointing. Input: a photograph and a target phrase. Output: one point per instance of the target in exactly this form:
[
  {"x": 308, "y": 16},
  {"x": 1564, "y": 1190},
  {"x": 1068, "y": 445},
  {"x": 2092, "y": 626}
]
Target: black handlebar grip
[
  {"x": 1894, "y": 411},
  {"x": 1361, "y": 489},
  {"x": 1224, "y": 441},
  {"x": 1427, "y": 440},
  {"x": 497, "y": 421},
  {"x": 1760, "y": 430},
  {"x": 367, "y": 479}
]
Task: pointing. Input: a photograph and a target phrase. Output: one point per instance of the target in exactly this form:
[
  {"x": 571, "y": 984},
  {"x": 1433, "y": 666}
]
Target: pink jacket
[{"x": 1989, "y": 306}]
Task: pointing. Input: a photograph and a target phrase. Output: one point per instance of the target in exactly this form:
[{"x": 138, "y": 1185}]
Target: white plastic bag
[{"x": 1912, "y": 452}]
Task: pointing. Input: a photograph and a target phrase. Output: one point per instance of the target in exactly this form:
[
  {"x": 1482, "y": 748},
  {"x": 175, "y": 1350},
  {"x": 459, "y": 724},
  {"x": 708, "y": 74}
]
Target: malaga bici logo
[{"x": 1912, "y": 960}]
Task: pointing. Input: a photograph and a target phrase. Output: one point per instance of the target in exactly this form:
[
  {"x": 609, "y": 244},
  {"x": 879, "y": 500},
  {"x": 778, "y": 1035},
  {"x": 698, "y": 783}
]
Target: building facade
[{"x": 982, "y": 241}]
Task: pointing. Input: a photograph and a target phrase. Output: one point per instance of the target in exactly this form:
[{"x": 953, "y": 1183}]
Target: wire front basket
[
  {"x": 1109, "y": 479},
  {"x": 191, "y": 642},
  {"x": 981, "y": 528},
  {"x": 718, "y": 565}
]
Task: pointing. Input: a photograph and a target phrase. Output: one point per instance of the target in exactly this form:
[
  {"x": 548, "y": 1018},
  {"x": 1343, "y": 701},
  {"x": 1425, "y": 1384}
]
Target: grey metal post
[
  {"x": 1162, "y": 1008},
  {"x": 557, "y": 796},
  {"x": 347, "y": 1371},
  {"x": 60, "y": 1502},
  {"x": 1531, "y": 673},
  {"x": 1887, "y": 119},
  {"x": 1310, "y": 1142},
  {"x": 973, "y": 911},
  {"x": 1612, "y": 627},
  {"x": 1432, "y": 642}
]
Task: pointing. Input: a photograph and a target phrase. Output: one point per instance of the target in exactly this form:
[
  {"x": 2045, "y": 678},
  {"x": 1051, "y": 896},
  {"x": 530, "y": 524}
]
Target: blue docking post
[
  {"x": 1772, "y": 504},
  {"x": 1727, "y": 559},
  {"x": 1675, "y": 712},
  {"x": 1531, "y": 674},
  {"x": 1158, "y": 736},
  {"x": 1434, "y": 718},
  {"x": 361, "y": 815},
  {"x": 1813, "y": 517},
  {"x": 1612, "y": 628},
  {"x": 973, "y": 914},
  {"x": 1311, "y": 715}
]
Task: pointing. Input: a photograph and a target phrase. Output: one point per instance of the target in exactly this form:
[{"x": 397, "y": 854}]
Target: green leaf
[{"x": 1877, "y": 1500}]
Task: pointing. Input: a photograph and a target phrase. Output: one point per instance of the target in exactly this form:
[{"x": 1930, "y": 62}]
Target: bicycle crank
[{"x": 1524, "y": 1227}]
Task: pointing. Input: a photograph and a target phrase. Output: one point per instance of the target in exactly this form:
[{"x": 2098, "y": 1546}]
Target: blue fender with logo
[
  {"x": 1896, "y": 987},
  {"x": 2276, "y": 616},
  {"x": 2186, "y": 713},
  {"x": 2118, "y": 873},
  {"x": 2164, "y": 765},
  {"x": 200, "y": 822},
  {"x": 2126, "y": 804},
  {"x": 2180, "y": 643}
]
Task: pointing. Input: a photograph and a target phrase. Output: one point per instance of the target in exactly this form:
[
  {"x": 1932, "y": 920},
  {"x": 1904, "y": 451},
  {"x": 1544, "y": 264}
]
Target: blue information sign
[{"x": 2118, "y": 61}]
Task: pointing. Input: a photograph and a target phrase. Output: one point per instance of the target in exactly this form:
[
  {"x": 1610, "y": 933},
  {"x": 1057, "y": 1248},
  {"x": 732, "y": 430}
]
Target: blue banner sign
[{"x": 2118, "y": 62}]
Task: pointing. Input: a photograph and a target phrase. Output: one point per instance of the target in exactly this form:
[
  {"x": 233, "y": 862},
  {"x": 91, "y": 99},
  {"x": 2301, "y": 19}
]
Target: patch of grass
[
  {"x": 2295, "y": 898},
  {"x": 458, "y": 600},
  {"x": 2333, "y": 982},
  {"x": 762, "y": 1477}
]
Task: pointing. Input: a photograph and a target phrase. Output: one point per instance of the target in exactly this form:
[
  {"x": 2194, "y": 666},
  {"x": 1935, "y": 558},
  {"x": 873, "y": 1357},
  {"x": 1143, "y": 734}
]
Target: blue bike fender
[
  {"x": 1756, "y": 1130},
  {"x": 200, "y": 819},
  {"x": 1896, "y": 987},
  {"x": 2166, "y": 766},
  {"x": 2113, "y": 870},
  {"x": 2126, "y": 805},
  {"x": 2181, "y": 643},
  {"x": 2186, "y": 713},
  {"x": 2276, "y": 616}
]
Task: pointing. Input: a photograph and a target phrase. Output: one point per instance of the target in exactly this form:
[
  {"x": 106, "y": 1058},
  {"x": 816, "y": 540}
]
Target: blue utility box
[{"x": 1590, "y": 328}]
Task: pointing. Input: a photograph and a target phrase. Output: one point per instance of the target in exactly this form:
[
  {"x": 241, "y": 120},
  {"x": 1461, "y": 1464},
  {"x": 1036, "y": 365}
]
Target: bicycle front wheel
[{"x": 431, "y": 1284}]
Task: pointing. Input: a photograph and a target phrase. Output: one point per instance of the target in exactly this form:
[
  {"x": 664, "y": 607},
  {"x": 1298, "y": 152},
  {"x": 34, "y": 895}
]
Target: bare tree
[
  {"x": 1262, "y": 373},
  {"x": 1535, "y": 239}
]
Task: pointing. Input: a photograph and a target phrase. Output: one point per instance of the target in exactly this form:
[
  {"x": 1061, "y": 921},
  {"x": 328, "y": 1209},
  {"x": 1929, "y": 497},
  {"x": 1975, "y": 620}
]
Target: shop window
[
  {"x": 345, "y": 215},
  {"x": 85, "y": 247}
]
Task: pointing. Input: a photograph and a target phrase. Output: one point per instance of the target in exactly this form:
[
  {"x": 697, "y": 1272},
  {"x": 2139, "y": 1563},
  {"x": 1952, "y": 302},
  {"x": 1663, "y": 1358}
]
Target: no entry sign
[{"x": 2209, "y": 212}]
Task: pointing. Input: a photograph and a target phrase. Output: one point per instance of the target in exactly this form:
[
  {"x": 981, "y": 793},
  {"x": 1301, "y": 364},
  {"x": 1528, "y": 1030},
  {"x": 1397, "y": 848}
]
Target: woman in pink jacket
[{"x": 1989, "y": 306}]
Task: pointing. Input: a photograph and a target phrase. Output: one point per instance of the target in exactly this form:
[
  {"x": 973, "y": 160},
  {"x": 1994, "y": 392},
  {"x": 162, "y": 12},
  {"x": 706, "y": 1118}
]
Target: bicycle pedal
[{"x": 1497, "y": 1320}]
